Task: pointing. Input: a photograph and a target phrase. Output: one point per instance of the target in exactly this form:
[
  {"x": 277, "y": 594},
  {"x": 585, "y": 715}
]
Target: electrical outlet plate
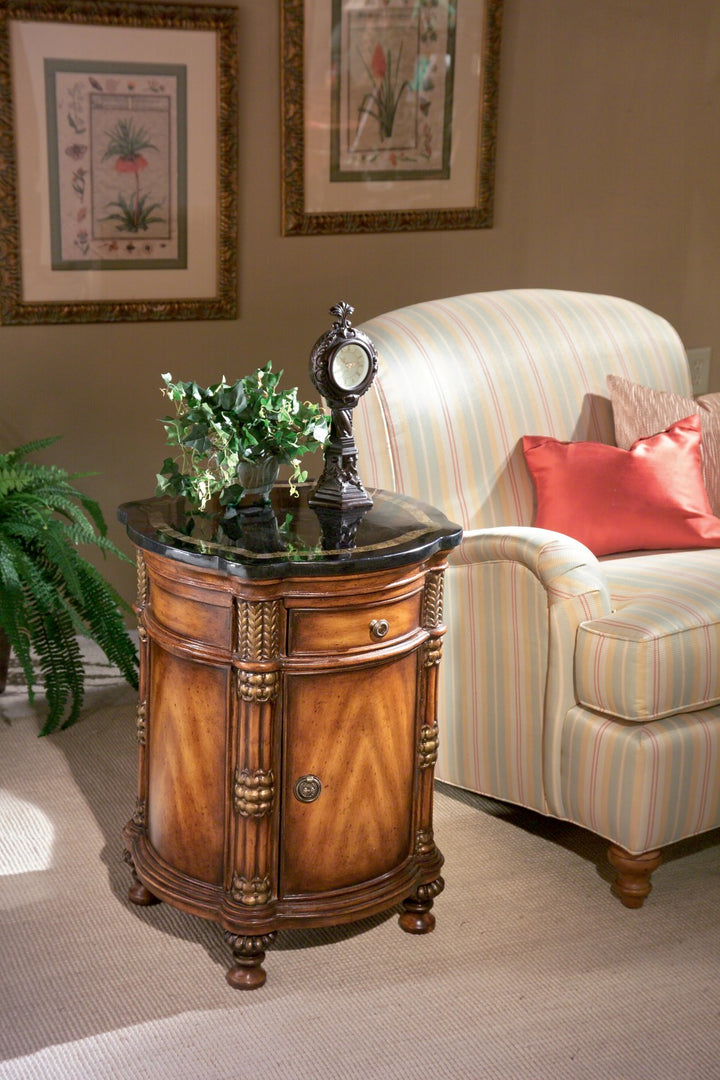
[{"x": 699, "y": 361}]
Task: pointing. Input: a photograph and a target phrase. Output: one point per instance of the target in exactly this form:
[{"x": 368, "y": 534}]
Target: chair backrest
[{"x": 461, "y": 380}]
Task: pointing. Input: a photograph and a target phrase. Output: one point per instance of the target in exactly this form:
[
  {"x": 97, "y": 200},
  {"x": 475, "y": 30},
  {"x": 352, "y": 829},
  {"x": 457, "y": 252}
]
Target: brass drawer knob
[
  {"x": 379, "y": 629},
  {"x": 307, "y": 788}
]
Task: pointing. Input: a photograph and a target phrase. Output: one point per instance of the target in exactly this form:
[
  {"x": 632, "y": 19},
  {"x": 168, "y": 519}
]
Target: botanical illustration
[
  {"x": 393, "y": 65},
  {"x": 116, "y": 163},
  {"x": 132, "y": 212}
]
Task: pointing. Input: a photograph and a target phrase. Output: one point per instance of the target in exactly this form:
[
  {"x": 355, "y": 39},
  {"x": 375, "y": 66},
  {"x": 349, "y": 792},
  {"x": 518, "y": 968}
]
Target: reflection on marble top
[{"x": 288, "y": 537}]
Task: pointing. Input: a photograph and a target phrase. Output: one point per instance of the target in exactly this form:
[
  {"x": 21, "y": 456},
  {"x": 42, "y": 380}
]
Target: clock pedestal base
[{"x": 340, "y": 487}]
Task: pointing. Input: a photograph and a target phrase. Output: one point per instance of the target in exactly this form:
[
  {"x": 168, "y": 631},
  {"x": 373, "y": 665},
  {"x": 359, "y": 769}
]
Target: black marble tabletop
[{"x": 288, "y": 538}]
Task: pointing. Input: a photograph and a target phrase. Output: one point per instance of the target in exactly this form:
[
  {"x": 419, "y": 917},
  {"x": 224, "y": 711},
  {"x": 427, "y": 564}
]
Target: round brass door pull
[
  {"x": 379, "y": 629},
  {"x": 307, "y": 789}
]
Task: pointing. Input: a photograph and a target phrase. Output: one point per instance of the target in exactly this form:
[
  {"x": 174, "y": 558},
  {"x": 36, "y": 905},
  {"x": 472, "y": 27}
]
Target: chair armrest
[
  {"x": 519, "y": 594},
  {"x": 565, "y": 567}
]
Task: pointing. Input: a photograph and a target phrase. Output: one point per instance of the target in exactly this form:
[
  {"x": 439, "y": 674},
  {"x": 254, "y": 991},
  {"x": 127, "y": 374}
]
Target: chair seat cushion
[{"x": 658, "y": 653}]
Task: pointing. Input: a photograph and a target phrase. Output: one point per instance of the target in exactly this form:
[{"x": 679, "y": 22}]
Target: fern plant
[{"x": 49, "y": 593}]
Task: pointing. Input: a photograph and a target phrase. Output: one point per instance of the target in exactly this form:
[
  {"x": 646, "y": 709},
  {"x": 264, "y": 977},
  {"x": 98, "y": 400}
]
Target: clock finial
[{"x": 343, "y": 311}]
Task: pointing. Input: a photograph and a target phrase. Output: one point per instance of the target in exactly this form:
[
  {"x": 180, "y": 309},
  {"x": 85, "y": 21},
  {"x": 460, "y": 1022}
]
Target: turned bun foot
[
  {"x": 248, "y": 953},
  {"x": 416, "y": 922},
  {"x": 248, "y": 975},
  {"x": 632, "y": 884},
  {"x": 416, "y": 917},
  {"x": 140, "y": 895}
]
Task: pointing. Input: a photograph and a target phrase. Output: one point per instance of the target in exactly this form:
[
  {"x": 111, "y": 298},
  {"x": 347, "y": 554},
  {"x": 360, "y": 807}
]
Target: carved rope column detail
[
  {"x": 142, "y": 581},
  {"x": 253, "y": 892},
  {"x": 258, "y": 630},
  {"x": 433, "y": 599},
  {"x": 141, "y": 722},
  {"x": 139, "y": 814},
  {"x": 429, "y": 735},
  {"x": 424, "y": 842},
  {"x": 432, "y": 615},
  {"x": 141, "y": 709},
  {"x": 254, "y": 793},
  {"x": 428, "y": 745},
  {"x": 258, "y": 686},
  {"x": 258, "y": 646},
  {"x": 433, "y": 652}
]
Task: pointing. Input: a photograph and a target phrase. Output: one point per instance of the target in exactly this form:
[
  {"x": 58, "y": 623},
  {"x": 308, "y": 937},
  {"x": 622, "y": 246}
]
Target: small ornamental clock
[{"x": 343, "y": 364}]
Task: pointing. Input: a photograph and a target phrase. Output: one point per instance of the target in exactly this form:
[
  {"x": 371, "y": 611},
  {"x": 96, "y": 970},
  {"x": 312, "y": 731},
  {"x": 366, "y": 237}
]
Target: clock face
[{"x": 349, "y": 366}]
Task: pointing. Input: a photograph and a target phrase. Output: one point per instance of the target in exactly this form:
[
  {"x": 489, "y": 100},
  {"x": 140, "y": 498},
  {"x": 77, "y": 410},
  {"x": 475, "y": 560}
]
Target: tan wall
[{"x": 608, "y": 159}]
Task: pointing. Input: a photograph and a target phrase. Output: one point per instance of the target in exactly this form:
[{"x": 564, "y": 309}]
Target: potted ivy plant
[
  {"x": 232, "y": 438},
  {"x": 49, "y": 593}
]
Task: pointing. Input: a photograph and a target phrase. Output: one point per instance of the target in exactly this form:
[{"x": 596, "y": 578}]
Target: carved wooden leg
[
  {"x": 138, "y": 893},
  {"x": 248, "y": 954},
  {"x": 632, "y": 884},
  {"x": 417, "y": 917}
]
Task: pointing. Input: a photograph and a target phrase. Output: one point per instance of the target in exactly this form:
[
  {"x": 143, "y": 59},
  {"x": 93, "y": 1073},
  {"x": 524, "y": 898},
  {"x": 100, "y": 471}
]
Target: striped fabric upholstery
[
  {"x": 642, "y": 785},
  {"x": 658, "y": 652},
  {"x": 460, "y": 381},
  {"x": 513, "y": 601}
]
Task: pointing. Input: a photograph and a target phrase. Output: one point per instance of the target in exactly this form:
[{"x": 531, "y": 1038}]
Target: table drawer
[{"x": 323, "y": 630}]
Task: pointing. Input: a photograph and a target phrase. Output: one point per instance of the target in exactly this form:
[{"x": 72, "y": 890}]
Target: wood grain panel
[
  {"x": 186, "y": 764},
  {"x": 206, "y": 617},
  {"x": 355, "y": 730}
]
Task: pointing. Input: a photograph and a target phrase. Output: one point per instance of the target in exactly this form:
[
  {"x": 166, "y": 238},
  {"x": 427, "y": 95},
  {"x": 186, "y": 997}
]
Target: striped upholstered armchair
[{"x": 584, "y": 687}]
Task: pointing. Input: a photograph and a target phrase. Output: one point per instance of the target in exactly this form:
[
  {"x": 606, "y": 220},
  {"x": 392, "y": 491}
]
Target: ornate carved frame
[
  {"x": 132, "y": 15},
  {"x": 297, "y": 221}
]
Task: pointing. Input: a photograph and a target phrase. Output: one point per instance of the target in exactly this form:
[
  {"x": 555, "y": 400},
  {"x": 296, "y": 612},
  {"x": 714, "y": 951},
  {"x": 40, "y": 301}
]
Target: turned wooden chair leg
[{"x": 632, "y": 884}]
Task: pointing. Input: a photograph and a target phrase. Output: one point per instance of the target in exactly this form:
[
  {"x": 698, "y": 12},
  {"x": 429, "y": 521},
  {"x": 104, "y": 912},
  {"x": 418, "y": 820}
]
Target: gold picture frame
[
  {"x": 103, "y": 108},
  {"x": 389, "y": 115}
]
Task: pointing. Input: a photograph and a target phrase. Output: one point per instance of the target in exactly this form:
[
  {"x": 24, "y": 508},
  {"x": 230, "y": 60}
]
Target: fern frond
[
  {"x": 56, "y": 560},
  {"x": 27, "y": 477},
  {"x": 12, "y": 613},
  {"x": 79, "y": 533},
  {"x": 62, "y": 668},
  {"x": 49, "y": 594},
  {"x": 92, "y": 508},
  {"x": 49, "y": 625},
  {"x": 100, "y": 611},
  {"x": 28, "y": 448}
]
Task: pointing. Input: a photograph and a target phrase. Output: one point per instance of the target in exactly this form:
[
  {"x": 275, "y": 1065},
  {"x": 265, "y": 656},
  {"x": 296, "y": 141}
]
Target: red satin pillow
[{"x": 649, "y": 497}]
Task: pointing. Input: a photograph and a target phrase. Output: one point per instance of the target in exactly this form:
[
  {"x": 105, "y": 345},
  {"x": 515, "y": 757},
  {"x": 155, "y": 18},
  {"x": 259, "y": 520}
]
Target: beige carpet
[{"x": 534, "y": 971}]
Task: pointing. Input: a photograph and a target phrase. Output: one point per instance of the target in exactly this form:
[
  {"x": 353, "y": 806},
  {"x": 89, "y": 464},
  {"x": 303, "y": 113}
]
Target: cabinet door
[
  {"x": 353, "y": 729},
  {"x": 186, "y": 763}
]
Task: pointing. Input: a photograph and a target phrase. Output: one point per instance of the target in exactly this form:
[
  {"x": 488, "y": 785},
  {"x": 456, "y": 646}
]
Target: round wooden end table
[{"x": 287, "y": 714}]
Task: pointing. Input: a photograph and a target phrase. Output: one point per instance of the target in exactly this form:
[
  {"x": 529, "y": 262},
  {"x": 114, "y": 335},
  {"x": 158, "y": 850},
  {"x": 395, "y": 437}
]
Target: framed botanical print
[
  {"x": 119, "y": 161},
  {"x": 389, "y": 114}
]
